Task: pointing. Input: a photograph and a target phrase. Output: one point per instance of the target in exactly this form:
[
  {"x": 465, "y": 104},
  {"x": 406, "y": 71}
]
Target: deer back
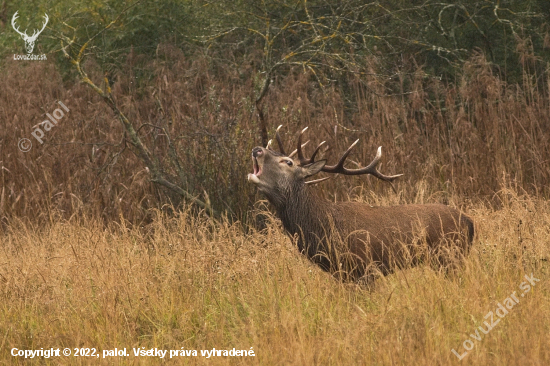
[{"x": 352, "y": 234}]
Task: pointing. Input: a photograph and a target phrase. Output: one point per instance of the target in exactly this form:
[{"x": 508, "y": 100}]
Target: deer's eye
[{"x": 289, "y": 162}]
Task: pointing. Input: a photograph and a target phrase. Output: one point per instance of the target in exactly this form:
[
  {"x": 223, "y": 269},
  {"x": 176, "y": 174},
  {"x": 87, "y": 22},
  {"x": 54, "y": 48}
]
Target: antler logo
[{"x": 29, "y": 40}]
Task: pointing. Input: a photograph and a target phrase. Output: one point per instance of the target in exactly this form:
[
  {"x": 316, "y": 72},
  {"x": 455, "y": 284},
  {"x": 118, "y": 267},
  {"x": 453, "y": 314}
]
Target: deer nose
[{"x": 257, "y": 151}]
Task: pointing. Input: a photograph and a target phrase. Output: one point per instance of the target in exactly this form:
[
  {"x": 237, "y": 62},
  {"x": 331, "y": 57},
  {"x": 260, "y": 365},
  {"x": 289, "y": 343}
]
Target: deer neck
[{"x": 305, "y": 214}]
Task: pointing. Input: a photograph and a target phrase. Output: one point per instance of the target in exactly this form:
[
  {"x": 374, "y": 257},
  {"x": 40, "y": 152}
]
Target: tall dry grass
[
  {"x": 187, "y": 281},
  {"x": 464, "y": 138}
]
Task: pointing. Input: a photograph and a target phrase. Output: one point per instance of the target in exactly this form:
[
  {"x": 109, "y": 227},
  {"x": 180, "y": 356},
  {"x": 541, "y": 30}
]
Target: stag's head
[
  {"x": 29, "y": 40},
  {"x": 276, "y": 174}
]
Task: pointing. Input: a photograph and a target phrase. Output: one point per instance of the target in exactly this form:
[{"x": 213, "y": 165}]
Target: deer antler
[
  {"x": 317, "y": 180},
  {"x": 369, "y": 169},
  {"x": 303, "y": 160},
  {"x": 279, "y": 142},
  {"x": 339, "y": 167}
]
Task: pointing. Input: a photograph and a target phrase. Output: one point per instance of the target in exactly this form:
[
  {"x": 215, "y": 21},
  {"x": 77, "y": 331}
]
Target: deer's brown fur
[{"x": 355, "y": 239}]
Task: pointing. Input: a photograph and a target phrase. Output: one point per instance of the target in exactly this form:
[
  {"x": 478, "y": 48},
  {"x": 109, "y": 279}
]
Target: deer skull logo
[{"x": 29, "y": 40}]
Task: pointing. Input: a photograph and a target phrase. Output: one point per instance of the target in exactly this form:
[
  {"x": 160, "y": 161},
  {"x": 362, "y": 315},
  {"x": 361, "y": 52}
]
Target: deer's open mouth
[{"x": 257, "y": 171}]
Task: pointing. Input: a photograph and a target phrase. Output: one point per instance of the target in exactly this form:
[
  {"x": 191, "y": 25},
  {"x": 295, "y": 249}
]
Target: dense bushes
[{"x": 458, "y": 123}]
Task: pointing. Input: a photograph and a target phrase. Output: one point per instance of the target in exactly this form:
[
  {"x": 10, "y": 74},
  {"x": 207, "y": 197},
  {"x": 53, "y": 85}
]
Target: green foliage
[
  {"x": 318, "y": 35},
  {"x": 340, "y": 35},
  {"x": 140, "y": 25}
]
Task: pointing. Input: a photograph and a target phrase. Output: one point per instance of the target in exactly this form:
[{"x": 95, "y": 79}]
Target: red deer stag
[{"x": 355, "y": 240}]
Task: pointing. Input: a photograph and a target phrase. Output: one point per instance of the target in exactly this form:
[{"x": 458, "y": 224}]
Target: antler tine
[
  {"x": 316, "y": 151},
  {"x": 339, "y": 167},
  {"x": 296, "y": 150},
  {"x": 376, "y": 159},
  {"x": 317, "y": 180},
  {"x": 279, "y": 140},
  {"x": 303, "y": 160},
  {"x": 369, "y": 169},
  {"x": 269, "y": 147}
]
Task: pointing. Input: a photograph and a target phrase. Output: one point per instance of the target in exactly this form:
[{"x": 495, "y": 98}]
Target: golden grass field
[
  {"x": 95, "y": 255},
  {"x": 187, "y": 281}
]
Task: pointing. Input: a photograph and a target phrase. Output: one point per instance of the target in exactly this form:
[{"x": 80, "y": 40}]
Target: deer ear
[{"x": 313, "y": 168}]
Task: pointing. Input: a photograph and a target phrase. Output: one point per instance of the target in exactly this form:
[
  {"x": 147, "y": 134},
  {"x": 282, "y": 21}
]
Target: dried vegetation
[{"x": 90, "y": 256}]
